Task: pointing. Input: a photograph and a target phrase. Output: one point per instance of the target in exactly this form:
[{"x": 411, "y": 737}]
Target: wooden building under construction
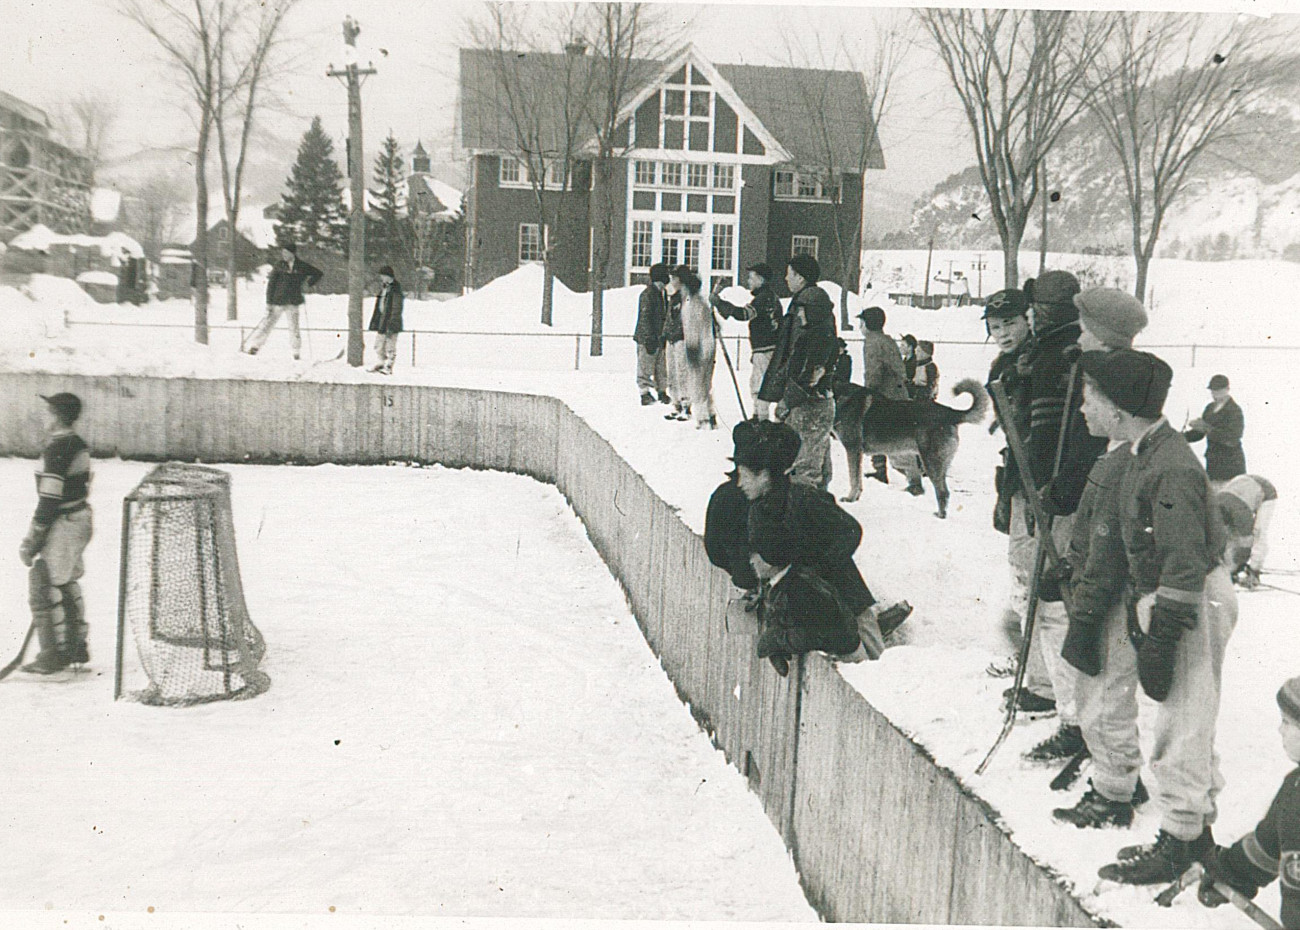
[{"x": 41, "y": 181}]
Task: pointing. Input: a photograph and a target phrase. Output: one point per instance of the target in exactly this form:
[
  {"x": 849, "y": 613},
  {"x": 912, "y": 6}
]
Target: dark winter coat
[
  {"x": 1173, "y": 535},
  {"x": 807, "y": 340},
  {"x": 673, "y": 318},
  {"x": 726, "y": 529},
  {"x": 802, "y": 612},
  {"x": 63, "y": 483},
  {"x": 823, "y": 536},
  {"x": 764, "y": 315},
  {"x": 1015, "y": 382},
  {"x": 1049, "y": 374},
  {"x": 284, "y": 286},
  {"x": 649, "y": 332},
  {"x": 882, "y": 366},
  {"x": 387, "y": 318},
  {"x": 1096, "y": 556},
  {"x": 1271, "y": 850},
  {"x": 1224, "y": 457}
]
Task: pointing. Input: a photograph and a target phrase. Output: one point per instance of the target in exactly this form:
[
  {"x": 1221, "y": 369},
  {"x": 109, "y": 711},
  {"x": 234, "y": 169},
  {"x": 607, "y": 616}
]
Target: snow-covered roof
[
  {"x": 445, "y": 194},
  {"x": 37, "y": 239},
  {"x": 40, "y": 238},
  {"x": 105, "y": 204},
  {"x": 97, "y": 277}
]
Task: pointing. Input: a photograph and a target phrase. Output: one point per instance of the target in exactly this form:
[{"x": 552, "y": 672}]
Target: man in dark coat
[
  {"x": 883, "y": 374},
  {"x": 651, "y": 360},
  {"x": 283, "y": 298},
  {"x": 764, "y": 315},
  {"x": 386, "y": 321},
  {"x": 1221, "y": 425},
  {"x": 803, "y": 369}
]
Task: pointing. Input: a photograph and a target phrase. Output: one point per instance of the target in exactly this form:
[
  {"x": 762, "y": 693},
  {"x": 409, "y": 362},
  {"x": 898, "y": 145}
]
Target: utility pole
[
  {"x": 1042, "y": 192},
  {"x": 979, "y": 267},
  {"x": 351, "y": 75}
]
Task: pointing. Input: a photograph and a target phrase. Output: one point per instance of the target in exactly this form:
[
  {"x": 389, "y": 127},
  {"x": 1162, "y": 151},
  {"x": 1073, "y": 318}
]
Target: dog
[{"x": 920, "y": 434}]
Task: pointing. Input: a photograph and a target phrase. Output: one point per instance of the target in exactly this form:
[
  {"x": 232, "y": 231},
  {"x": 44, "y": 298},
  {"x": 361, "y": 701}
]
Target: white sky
[{"x": 55, "y": 49}]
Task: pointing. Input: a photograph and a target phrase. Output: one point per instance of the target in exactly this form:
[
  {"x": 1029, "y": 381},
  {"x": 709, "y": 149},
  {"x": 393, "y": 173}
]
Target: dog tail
[{"x": 979, "y": 406}]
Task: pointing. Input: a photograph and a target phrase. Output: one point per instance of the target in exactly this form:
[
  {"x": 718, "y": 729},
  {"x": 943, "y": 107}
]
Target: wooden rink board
[{"x": 879, "y": 833}]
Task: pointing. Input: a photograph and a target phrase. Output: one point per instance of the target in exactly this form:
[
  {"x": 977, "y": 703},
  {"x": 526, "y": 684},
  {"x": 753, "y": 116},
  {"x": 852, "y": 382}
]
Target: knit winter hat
[
  {"x": 1005, "y": 305},
  {"x": 659, "y": 273},
  {"x": 766, "y": 445},
  {"x": 1054, "y": 288},
  {"x": 1111, "y": 315},
  {"x": 1136, "y": 382},
  {"x": 873, "y": 318},
  {"x": 1219, "y": 383},
  {"x": 806, "y": 267},
  {"x": 1288, "y": 698}
]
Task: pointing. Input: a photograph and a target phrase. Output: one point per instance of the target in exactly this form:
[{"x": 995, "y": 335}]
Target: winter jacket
[
  {"x": 1224, "y": 457},
  {"x": 1271, "y": 850},
  {"x": 63, "y": 483},
  {"x": 882, "y": 366},
  {"x": 1049, "y": 382},
  {"x": 925, "y": 383},
  {"x": 764, "y": 315},
  {"x": 673, "y": 318},
  {"x": 387, "y": 318},
  {"x": 801, "y": 612},
  {"x": 843, "y": 374},
  {"x": 284, "y": 286},
  {"x": 806, "y": 341},
  {"x": 1099, "y": 567},
  {"x": 726, "y": 528},
  {"x": 698, "y": 331},
  {"x": 823, "y": 537},
  {"x": 1015, "y": 383},
  {"x": 649, "y": 332},
  {"x": 1173, "y": 535}
]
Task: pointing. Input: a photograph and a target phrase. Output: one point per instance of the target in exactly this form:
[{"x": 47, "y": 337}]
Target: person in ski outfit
[
  {"x": 699, "y": 338},
  {"x": 284, "y": 297},
  {"x": 386, "y": 321},
  {"x": 802, "y": 372},
  {"x": 1272, "y": 850},
  {"x": 1180, "y": 607},
  {"x": 1246, "y": 504},
  {"x": 883, "y": 373},
  {"x": 764, "y": 315},
  {"x": 651, "y": 359},
  {"x": 675, "y": 357},
  {"x": 1221, "y": 425},
  {"x": 58, "y": 535}
]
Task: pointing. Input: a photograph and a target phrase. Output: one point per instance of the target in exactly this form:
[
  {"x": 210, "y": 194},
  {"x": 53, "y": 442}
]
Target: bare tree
[
  {"x": 541, "y": 97},
  {"x": 248, "y": 60},
  {"x": 86, "y": 122},
  {"x": 625, "y": 37},
  {"x": 192, "y": 35},
  {"x": 1166, "y": 89},
  {"x": 817, "y": 58},
  {"x": 1019, "y": 76},
  {"x": 155, "y": 206}
]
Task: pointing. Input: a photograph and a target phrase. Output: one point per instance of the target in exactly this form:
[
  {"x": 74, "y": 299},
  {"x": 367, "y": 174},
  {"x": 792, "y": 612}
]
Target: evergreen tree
[
  {"x": 388, "y": 236},
  {"x": 312, "y": 211}
]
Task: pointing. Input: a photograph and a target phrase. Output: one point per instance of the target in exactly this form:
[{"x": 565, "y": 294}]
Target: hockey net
[{"x": 180, "y": 598}]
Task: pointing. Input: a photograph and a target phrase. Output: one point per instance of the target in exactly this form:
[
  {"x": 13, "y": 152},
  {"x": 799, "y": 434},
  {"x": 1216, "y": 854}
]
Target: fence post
[
  {"x": 1193, "y": 355},
  {"x": 737, "y": 351},
  {"x": 577, "y": 351},
  {"x": 412, "y": 348}
]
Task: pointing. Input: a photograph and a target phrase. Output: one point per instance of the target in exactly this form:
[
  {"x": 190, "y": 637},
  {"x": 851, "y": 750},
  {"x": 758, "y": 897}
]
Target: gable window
[
  {"x": 530, "y": 242},
  {"x": 788, "y": 184},
  {"x": 803, "y": 245},
  {"x": 687, "y": 103}
]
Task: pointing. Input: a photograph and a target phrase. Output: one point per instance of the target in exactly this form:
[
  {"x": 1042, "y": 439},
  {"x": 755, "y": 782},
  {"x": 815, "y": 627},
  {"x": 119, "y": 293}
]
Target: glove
[
  {"x": 1047, "y": 500},
  {"x": 1082, "y": 646},
  {"x": 32, "y": 545},
  {"x": 1215, "y": 871},
  {"x": 1158, "y": 652},
  {"x": 1049, "y": 586}
]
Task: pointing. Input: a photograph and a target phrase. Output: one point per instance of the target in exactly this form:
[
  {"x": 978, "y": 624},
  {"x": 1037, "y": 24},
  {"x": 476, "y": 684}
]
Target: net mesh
[{"x": 181, "y": 599}]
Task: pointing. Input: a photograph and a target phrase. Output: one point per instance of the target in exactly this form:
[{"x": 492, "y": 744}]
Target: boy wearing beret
[
  {"x": 1272, "y": 849},
  {"x": 1181, "y": 606},
  {"x": 59, "y": 533}
]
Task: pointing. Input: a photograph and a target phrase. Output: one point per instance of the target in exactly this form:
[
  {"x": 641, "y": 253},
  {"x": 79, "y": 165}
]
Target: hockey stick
[
  {"x": 1070, "y": 772},
  {"x": 1194, "y": 874},
  {"x": 1046, "y": 548},
  {"x": 18, "y": 659},
  {"x": 734, "y": 382}
]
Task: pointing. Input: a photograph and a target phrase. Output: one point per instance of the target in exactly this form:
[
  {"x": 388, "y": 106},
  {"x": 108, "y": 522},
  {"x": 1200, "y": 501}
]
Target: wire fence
[{"x": 448, "y": 346}]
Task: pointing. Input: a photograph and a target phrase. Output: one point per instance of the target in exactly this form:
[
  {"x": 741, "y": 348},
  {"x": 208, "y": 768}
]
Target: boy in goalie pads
[{"x": 58, "y": 535}]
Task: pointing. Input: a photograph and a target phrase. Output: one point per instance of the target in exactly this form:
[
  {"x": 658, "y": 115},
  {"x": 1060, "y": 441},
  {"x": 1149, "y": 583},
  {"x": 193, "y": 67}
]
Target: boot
[
  {"x": 647, "y": 399},
  {"x": 1061, "y": 745},
  {"x": 1095, "y": 810},
  {"x": 1161, "y": 862},
  {"x": 47, "y": 616},
  {"x": 1031, "y": 704},
  {"x": 892, "y": 617}
]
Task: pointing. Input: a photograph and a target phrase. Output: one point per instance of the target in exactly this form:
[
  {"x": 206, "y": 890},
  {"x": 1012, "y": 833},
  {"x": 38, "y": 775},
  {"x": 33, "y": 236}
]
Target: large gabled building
[
  {"x": 41, "y": 181},
  {"x": 719, "y": 166}
]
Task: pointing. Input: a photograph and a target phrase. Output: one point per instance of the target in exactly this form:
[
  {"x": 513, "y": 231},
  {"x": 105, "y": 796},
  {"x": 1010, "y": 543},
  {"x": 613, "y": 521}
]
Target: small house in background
[
  {"x": 175, "y": 270},
  {"x": 250, "y": 253},
  {"x": 90, "y": 260},
  {"x": 438, "y": 227}
]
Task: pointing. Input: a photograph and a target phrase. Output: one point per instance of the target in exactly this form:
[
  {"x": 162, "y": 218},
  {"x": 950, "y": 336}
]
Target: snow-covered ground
[
  {"x": 953, "y": 571},
  {"x": 464, "y": 720}
]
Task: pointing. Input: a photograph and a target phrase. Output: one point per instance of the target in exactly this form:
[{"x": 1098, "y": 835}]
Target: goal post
[{"x": 180, "y": 597}]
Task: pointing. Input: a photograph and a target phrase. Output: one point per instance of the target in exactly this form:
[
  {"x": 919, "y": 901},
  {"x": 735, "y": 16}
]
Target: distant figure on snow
[
  {"x": 283, "y": 298},
  {"x": 1246, "y": 504},
  {"x": 651, "y": 359},
  {"x": 386, "y": 322},
  {"x": 764, "y": 315},
  {"x": 1221, "y": 425},
  {"x": 700, "y": 345}
]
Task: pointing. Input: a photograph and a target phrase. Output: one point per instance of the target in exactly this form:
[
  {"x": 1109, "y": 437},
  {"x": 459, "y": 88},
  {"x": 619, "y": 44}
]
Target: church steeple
[{"x": 419, "y": 159}]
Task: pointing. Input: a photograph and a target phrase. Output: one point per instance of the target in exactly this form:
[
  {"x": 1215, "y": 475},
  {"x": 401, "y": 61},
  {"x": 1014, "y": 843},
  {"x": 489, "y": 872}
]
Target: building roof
[
  {"x": 23, "y": 109},
  {"x": 780, "y": 98},
  {"x": 445, "y": 195}
]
